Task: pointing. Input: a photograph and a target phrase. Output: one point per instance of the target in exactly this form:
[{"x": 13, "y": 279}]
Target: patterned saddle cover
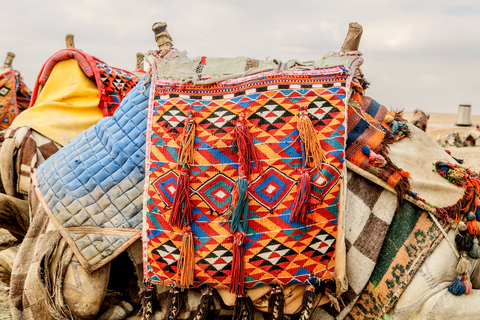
[
  {"x": 14, "y": 96},
  {"x": 92, "y": 187},
  {"x": 244, "y": 177}
]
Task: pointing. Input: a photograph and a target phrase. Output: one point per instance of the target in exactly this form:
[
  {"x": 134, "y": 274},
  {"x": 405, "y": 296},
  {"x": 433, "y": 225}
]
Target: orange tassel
[
  {"x": 186, "y": 262},
  {"x": 185, "y": 158},
  {"x": 247, "y": 151},
  {"x": 238, "y": 265},
  {"x": 308, "y": 135}
]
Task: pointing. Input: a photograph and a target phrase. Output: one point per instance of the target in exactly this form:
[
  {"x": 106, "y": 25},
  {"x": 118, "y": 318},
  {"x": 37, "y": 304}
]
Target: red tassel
[
  {"x": 246, "y": 149},
  {"x": 186, "y": 262},
  {"x": 238, "y": 265},
  {"x": 301, "y": 205},
  {"x": 181, "y": 213}
]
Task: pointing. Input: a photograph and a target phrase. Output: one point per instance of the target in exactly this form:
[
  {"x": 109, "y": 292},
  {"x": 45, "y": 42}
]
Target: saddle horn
[
  {"x": 69, "y": 41},
  {"x": 8, "y": 60},
  {"x": 140, "y": 58},
  {"x": 162, "y": 37},
  {"x": 352, "y": 41}
]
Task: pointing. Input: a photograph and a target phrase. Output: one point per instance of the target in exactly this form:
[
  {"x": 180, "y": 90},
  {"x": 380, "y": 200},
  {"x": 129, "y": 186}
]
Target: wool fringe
[
  {"x": 403, "y": 185},
  {"x": 186, "y": 262},
  {"x": 149, "y": 301},
  {"x": 243, "y": 309},
  {"x": 276, "y": 303},
  {"x": 174, "y": 304},
  {"x": 314, "y": 288},
  {"x": 237, "y": 285},
  {"x": 301, "y": 204},
  {"x": 204, "y": 311}
]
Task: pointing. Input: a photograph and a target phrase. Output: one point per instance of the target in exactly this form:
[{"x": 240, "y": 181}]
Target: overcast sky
[{"x": 418, "y": 54}]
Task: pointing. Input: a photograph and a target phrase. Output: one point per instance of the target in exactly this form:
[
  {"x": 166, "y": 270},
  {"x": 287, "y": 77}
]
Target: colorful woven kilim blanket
[
  {"x": 14, "y": 96},
  {"x": 237, "y": 196}
]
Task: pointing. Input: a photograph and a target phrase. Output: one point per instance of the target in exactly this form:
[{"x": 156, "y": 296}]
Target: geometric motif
[
  {"x": 172, "y": 121},
  {"x": 4, "y": 91},
  {"x": 218, "y": 121},
  {"x": 216, "y": 192},
  {"x": 271, "y": 188},
  {"x": 323, "y": 180},
  {"x": 166, "y": 187},
  {"x": 276, "y": 250},
  {"x": 271, "y": 117}
]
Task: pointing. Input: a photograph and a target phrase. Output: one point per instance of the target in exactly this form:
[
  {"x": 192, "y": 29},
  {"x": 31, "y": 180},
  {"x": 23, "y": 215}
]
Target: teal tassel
[
  {"x": 457, "y": 287},
  {"x": 237, "y": 213}
]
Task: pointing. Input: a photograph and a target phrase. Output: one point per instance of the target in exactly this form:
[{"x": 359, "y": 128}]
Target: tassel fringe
[
  {"x": 204, "y": 311},
  {"x": 243, "y": 309},
  {"x": 186, "y": 262},
  {"x": 237, "y": 285},
  {"x": 149, "y": 301},
  {"x": 276, "y": 304},
  {"x": 181, "y": 213},
  {"x": 301, "y": 205},
  {"x": 174, "y": 304},
  {"x": 457, "y": 287},
  {"x": 314, "y": 287},
  {"x": 309, "y": 137}
]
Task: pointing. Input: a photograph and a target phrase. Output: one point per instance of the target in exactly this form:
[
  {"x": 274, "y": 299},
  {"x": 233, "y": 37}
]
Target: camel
[
  {"x": 57, "y": 262},
  {"x": 420, "y": 119}
]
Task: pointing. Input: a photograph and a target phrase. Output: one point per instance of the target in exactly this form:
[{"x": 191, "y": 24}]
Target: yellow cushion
[{"x": 67, "y": 105}]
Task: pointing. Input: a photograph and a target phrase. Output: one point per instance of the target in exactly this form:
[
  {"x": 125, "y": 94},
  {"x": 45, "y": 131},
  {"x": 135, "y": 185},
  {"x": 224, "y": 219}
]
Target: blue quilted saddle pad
[{"x": 93, "y": 186}]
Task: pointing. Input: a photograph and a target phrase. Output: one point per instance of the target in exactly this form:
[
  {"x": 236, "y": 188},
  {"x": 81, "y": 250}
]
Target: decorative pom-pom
[
  {"x": 474, "y": 252},
  {"x": 463, "y": 265},
  {"x": 467, "y": 283},
  {"x": 457, "y": 287},
  {"x": 473, "y": 227},
  {"x": 471, "y": 216},
  {"x": 374, "y": 158},
  {"x": 463, "y": 241},
  {"x": 462, "y": 226},
  {"x": 366, "y": 150},
  {"x": 389, "y": 118}
]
